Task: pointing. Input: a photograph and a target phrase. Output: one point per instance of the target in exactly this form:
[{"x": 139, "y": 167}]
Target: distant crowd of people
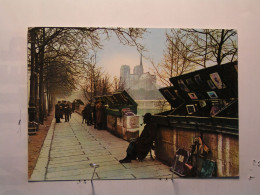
[
  {"x": 95, "y": 115},
  {"x": 92, "y": 114},
  {"x": 63, "y": 109}
]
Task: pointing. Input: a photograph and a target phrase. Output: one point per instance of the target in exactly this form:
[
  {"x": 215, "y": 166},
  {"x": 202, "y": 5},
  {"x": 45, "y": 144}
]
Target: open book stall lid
[
  {"x": 213, "y": 85},
  {"x": 118, "y": 99}
]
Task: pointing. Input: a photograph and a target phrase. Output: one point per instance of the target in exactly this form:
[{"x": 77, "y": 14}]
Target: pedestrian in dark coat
[
  {"x": 73, "y": 106},
  {"x": 100, "y": 112},
  {"x": 62, "y": 109},
  {"x": 89, "y": 114},
  {"x": 67, "y": 112},
  {"x": 84, "y": 115},
  {"x": 57, "y": 112},
  {"x": 142, "y": 145}
]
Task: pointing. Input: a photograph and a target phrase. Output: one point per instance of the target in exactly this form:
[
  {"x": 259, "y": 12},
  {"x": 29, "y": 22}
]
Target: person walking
[
  {"x": 67, "y": 112},
  {"x": 89, "y": 114},
  {"x": 62, "y": 105},
  {"x": 57, "y": 112}
]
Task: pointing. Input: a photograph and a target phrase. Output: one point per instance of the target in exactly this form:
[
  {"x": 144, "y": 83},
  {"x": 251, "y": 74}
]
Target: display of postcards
[
  {"x": 211, "y": 84},
  {"x": 193, "y": 96},
  {"x": 183, "y": 86},
  {"x": 198, "y": 79},
  {"x": 214, "y": 109},
  {"x": 190, "y": 83},
  {"x": 202, "y": 103},
  {"x": 212, "y": 94},
  {"x": 190, "y": 109},
  {"x": 217, "y": 80},
  {"x": 169, "y": 94}
]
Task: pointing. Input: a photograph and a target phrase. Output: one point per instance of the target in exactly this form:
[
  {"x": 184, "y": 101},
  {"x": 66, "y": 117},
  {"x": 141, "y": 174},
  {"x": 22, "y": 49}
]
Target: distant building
[{"x": 139, "y": 84}]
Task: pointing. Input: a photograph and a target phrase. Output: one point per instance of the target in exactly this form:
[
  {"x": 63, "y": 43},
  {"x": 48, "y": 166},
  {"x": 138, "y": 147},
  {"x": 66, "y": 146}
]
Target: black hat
[{"x": 147, "y": 116}]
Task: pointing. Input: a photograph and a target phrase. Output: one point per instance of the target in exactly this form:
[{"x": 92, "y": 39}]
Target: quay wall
[{"x": 222, "y": 141}]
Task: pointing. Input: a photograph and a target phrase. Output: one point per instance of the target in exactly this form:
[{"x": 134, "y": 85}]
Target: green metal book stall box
[{"x": 121, "y": 115}]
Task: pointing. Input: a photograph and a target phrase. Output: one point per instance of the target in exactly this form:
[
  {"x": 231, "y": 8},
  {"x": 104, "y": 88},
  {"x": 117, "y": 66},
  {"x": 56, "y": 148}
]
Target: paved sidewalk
[{"x": 70, "y": 147}]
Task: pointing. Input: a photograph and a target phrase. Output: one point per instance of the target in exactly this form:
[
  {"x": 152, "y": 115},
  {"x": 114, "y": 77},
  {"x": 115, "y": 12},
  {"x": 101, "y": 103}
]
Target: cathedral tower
[{"x": 139, "y": 69}]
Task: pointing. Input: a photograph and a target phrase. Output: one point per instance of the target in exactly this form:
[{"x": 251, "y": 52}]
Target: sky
[{"x": 115, "y": 54}]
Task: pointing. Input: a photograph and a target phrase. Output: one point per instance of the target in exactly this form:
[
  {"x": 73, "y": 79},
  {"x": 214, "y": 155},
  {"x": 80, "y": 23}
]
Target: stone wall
[{"x": 224, "y": 147}]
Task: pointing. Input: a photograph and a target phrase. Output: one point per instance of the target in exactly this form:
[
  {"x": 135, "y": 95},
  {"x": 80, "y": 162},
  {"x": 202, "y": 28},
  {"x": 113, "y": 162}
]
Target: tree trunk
[
  {"x": 41, "y": 84},
  {"x": 219, "y": 56},
  {"x": 36, "y": 96},
  {"x": 31, "y": 109}
]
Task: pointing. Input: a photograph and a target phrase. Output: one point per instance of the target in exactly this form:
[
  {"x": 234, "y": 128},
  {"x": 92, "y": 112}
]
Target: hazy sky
[{"x": 115, "y": 54}]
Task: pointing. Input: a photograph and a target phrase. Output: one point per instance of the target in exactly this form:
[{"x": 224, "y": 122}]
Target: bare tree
[
  {"x": 115, "y": 84},
  {"x": 213, "y": 45},
  {"x": 175, "y": 59},
  {"x": 58, "y": 58},
  {"x": 189, "y": 49}
]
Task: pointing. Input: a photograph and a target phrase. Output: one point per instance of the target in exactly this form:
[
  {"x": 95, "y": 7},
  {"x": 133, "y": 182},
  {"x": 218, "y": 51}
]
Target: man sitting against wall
[{"x": 142, "y": 145}]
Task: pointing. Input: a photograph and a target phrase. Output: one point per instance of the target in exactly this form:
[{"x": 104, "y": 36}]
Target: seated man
[{"x": 142, "y": 145}]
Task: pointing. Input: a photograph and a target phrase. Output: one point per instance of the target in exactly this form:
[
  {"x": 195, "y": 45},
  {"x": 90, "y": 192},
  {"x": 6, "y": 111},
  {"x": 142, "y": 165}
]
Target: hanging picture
[
  {"x": 211, "y": 84},
  {"x": 193, "y": 96},
  {"x": 183, "y": 86},
  {"x": 202, "y": 103},
  {"x": 217, "y": 80},
  {"x": 212, "y": 94},
  {"x": 190, "y": 109}
]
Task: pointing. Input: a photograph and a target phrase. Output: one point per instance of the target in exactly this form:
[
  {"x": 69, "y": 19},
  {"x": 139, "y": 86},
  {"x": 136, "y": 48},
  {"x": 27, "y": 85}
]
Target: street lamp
[{"x": 94, "y": 165}]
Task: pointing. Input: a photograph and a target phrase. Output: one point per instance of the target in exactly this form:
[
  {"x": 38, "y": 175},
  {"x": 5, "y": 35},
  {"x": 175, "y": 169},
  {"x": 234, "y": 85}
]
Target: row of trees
[
  {"x": 61, "y": 59},
  {"x": 96, "y": 81},
  {"x": 190, "y": 49}
]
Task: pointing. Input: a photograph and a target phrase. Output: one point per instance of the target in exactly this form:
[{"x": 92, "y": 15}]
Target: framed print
[
  {"x": 211, "y": 85},
  {"x": 193, "y": 96},
  {"x": 212, "y": 94},
  {"x": 217, "y": 80},
  {"x": 190, "y": 109},
  {"x": 202, "y": 103}
]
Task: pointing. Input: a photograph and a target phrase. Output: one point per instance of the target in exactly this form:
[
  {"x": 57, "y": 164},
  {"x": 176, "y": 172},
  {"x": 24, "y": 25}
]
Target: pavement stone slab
[{"x": 80, "y": 162}]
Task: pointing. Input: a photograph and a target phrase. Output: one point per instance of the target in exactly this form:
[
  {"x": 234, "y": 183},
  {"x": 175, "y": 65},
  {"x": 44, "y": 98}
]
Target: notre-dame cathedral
[{"x": 141, "y": 85}]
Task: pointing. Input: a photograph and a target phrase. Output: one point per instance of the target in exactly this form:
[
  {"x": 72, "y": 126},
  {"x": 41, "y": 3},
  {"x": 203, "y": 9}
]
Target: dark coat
[
  {"x": 57, "y": 111},
  {"x": 100, "y": 112},
  {"x": 144, "y": 143},
  {"x": 67, "y": 109},
  {"x": 88, "y": 111}
]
